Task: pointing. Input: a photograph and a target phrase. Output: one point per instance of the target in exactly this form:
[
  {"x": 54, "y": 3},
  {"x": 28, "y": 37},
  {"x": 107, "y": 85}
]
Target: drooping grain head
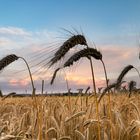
[
  {"x": 10, "y": 94},
  {"x": 87, "y": 89},
  {"x": 54, "y": 75},
  {"x": 105, "y": 90},
  {"x": 81, "y": 40},
  {"x": 88, "y": 52},
  {"x": 109, "y": 87},
  {"x": 7, "y": 60},
  {"x": 66, "y": 46},
  {"x": 71, "y": 42},
  {"x": 123, "y": 73},
  {"x": 131, "y": 86},
  {"x": 95, "y": 53}
]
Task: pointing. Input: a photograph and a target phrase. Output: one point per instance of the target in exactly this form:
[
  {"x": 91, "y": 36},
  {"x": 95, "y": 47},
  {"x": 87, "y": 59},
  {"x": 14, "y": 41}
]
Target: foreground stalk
[
  {"x": 97, "y": 107},
  {"x": 109, "y": 100},
  {"x": 35, "y": 105},
  {"x": 33, "y": 87}
]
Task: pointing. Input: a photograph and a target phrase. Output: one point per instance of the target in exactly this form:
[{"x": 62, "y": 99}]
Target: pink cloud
[
  {"x": 13, "y": 82},
  {"x": 17, "y": 82}
]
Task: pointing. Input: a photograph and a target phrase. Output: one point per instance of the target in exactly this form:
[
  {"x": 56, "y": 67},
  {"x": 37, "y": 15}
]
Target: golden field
[{"x": 69, "y": 118}]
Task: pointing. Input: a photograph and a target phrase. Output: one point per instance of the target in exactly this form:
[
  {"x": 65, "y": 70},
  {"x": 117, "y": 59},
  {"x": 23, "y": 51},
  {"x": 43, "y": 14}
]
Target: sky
[{"x": 34, "y": 29}]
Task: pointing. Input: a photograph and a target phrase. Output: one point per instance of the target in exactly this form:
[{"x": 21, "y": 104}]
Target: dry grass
[{"x": 56, "y": 121}]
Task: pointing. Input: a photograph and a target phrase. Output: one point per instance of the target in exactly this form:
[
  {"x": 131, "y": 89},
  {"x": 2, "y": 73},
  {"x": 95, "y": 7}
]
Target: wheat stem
[
  {"x": 97, "y": 107},
  {"x": 94, "y": 86},
  {"x": 109, "y": 99},
  {"x": 33, "y": 87}
]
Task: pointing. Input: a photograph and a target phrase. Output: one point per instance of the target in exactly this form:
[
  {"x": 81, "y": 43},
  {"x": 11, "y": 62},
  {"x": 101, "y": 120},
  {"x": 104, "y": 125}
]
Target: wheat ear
[{"x": 66, "y": 46}]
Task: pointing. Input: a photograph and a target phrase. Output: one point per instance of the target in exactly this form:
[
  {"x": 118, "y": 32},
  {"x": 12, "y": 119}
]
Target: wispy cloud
[
  {"x": 4, "y": 42},
  {"x": 14, "y": 31}
]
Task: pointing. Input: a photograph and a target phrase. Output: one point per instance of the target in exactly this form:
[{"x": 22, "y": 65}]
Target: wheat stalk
[
  {"x": 4, "y": 62},
  {"x": 131, "y": 87},
  {"x": 87, "y": 89},
  {"x": 105, "y": 90},
  {"x": 87, "y": 52},
  {"x": 122, "y": 74},
  {"x": 7, "y": 60},
  {"x": 10, "y": 94},
  {"x": 54, "y": 75}
]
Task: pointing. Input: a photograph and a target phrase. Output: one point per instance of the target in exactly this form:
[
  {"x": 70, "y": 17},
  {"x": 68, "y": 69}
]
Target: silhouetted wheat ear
[
  {"x": 83, "y": 53},
  {"x": 87, "y": 89},
  {"x": 109, "y": 87},
  {"x": 54, "y": 75},
  {"x": 4, "y": 62},
  {"x": 132, "y": 85},
  {"x": 105, "y": 90},
  {"x": 123, "y": 73},
  {"x": 10, "y": 94},
  {"x": 67, "y": 45}
]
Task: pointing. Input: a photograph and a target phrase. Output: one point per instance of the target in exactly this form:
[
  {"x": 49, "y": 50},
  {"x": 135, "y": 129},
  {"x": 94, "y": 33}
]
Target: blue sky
[
  {"x": 113, "y": 25},
  {"x": 105, "y": 15},
  {"x": 100, "y": 20}
]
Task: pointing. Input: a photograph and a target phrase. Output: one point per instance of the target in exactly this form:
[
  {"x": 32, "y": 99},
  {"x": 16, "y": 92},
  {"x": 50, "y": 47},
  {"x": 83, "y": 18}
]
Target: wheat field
[
  {"x": 69, "y": 118},
  {"x": 111, "y": 115}
]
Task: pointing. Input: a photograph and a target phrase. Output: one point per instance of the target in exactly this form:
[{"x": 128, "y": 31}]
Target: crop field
[
  {"x": 69, "y": 70},
  {"x": 70, "y": 118}
]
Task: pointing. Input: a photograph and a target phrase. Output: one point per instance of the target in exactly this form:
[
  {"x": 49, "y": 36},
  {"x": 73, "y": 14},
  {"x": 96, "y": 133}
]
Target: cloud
[
  {"x": 18, "y": 82},
  {"x": 38, "y": 46},
  {"x": 79, "y": 79},
  {"x": 4, "y": 41},
  {"x": 13, "y": 31}
]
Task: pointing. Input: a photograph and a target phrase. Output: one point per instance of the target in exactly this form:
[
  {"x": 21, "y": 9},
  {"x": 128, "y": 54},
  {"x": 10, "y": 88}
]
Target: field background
[{"x": 69, "y": 118}]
